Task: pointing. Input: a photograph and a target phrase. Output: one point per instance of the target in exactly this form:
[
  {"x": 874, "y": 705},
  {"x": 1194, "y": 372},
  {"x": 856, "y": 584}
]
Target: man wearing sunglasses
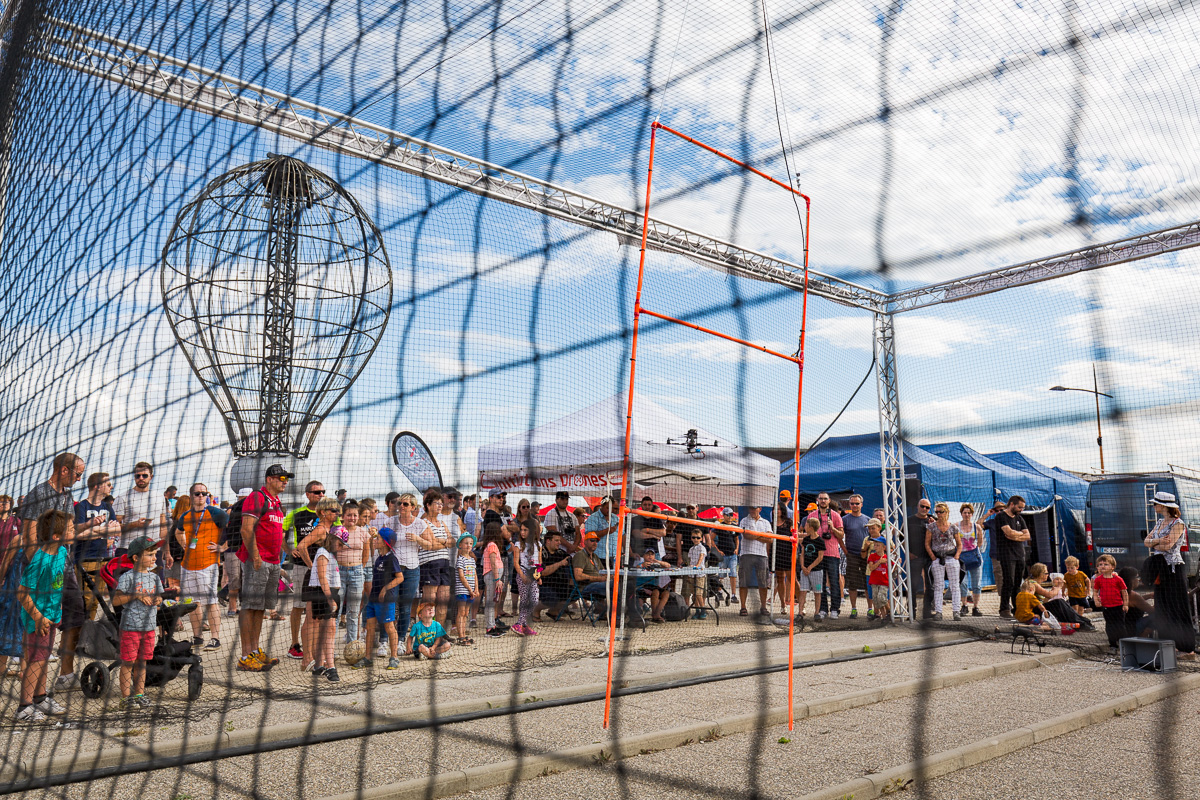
[
  {"x": 141, "y": 512},
  {"x": 918, "y": 558},
  {"x": 260, "y": 554},
  {"x": 197, "y": 532}
]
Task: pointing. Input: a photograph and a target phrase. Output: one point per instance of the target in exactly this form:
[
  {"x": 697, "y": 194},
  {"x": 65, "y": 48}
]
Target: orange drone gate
[{"x": 798, "y": 360}]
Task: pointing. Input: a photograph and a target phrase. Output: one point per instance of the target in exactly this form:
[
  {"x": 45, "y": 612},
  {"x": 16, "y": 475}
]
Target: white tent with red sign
[{"x": 674, "y": 460}]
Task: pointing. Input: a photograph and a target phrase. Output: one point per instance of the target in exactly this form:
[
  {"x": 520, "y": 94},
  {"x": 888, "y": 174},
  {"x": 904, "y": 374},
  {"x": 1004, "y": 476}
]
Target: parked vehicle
[{"x": 1120, "y": 510}]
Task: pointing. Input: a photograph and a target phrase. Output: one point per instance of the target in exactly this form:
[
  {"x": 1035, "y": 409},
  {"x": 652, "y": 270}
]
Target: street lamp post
[{"x": 1095, "y": 390}]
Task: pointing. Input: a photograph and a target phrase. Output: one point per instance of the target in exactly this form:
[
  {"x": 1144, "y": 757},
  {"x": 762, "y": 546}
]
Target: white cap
[{"x": 245, "y": 492}]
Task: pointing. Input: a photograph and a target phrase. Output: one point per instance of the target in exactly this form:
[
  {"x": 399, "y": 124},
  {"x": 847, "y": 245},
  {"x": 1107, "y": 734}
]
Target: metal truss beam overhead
[
  {"x": 209, "y": 92},
  {"x": 1107, "y": 254}
]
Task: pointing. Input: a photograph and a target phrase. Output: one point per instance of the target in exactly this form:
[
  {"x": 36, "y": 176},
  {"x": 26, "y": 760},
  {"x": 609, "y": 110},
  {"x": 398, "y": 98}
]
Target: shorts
[
  {"x": 730, "y": 563},
  {"x": 201, "y": 584},
  {"x": 233, "y": 573},
  {"x": 552, "y": 595},
  {"x": 881, "y": 596},
  {"x": 35, "y": 648},
  {"x": 73, "y": 613},
  {"x": 463, "y": 598},
  {"x": 260, "y": 587},
  {"x": 137, "y": 646},
  {"x": 436, "y": 573},
  {"x": 384, "y": 612},
  {"x": 813, "y": 581},
  {"x": 325, "y": 608},
  {"x": 693, "y": 585},
  {"x": 856, "y": 571},
  {"x": 90, "y": 603},
  {"x": 291, "y": 600},
  {"x": 752, "y": 572}
]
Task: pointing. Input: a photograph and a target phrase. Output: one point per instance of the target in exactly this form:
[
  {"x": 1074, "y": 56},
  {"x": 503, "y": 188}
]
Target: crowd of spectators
[{"x": 415, "y": 576}]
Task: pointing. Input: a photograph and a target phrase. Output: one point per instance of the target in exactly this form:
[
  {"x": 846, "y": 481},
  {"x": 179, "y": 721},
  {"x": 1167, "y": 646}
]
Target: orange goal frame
[{"x": 798, "y": 360}]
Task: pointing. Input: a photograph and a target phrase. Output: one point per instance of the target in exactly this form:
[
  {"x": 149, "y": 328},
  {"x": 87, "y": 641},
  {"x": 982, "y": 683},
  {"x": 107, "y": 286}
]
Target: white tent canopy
[{"x": 582, "y": 453}]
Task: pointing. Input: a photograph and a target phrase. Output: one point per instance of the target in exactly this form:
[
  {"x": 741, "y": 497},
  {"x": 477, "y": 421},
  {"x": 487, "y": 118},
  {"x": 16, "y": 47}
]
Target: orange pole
[
  {"x": 720, "y": 335},
  {"x": 700, "y": 523},
  {"x": 743, "y": 165},
  {"x": 637, "y": 312},
  {"x": 796, "y": 472}
]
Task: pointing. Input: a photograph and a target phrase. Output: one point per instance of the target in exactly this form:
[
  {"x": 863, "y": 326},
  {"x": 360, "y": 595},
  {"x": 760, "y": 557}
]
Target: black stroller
[{"x": 100, "y": 639}]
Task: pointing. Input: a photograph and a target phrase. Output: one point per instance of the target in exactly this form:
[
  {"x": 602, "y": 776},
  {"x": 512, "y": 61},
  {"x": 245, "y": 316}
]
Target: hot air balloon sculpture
[{"x": 277, "y": 286}]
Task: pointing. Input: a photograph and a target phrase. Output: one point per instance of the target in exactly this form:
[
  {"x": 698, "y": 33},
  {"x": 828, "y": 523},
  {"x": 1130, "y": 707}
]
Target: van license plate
[{"x": 1114, "y": 551}]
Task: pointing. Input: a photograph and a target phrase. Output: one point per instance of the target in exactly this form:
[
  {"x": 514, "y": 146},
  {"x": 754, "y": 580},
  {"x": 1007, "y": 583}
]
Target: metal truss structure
[
  {"x": 206, "y": 91},
  {"x": 891, "y": 460}
]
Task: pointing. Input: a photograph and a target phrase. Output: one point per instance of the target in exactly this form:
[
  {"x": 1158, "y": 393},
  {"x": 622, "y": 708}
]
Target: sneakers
[
  {"x": 519, "y": 629},
  {"x": 393, "y": 663},
  {"x": 833, "y": 614},
  {"x": 197, "y": 641},
  {"x": 134, "y": 701},
  {"x": 474, "y": 623},
  {"x": 382, "y": 650},
  {"x": 1005, "y": 614},
  {"x": 975, "y": 612},
  {"x": 937, "y": 616},
  {"x": 957, "y": 616},
  {"x": 50, "y": 707},
  {"x": 964, "y": 610},
  {"x": 703, "y": 615},
  {"x": 854, "y": 613},
  {"x": 213, "y": 644},
  {"x": 65, "y": 683},
  {"x": 30, "y": 713},
  {"x": 264, "y": 659},
  {"x": 332, "y": 676},
  {"x": 494, "y": 633},
  {"x": 820, "y": 615},
  {"x": 250, "y": 664},
  {"x": 296, "y": 652},
  {"x": 362, "y": 663}
]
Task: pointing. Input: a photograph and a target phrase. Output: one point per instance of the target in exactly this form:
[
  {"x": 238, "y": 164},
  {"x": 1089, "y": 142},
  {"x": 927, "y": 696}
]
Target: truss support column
[{"x": 891, "y": 453}]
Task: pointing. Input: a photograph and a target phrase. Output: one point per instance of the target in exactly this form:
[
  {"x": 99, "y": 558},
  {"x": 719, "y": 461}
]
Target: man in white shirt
[
  {"x": 752, "y": 560},
  {"x": 561, "y": 521},
  {"x": 142, "y": 513}
]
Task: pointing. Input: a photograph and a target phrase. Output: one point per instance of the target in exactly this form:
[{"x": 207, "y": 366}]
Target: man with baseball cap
[
  {"x": 559, "y": 520},
  {"x": 260, "y": 554},
  {"x": 725, "y": 547},
  {"x": 602, "y": 522}
]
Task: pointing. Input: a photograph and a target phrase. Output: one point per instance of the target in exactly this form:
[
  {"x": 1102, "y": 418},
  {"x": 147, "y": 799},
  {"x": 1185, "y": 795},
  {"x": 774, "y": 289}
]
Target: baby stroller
[{"x": 100, "y": 639}]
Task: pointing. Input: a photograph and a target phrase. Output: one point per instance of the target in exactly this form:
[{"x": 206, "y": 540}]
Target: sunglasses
[
  {"x": 141, "y": 475},
  {"x": 405, "y": 504},
  {"x": 282, "y": 480},
  {"x": 199, "y": 494},
  {"x": 317, "y": 492}
]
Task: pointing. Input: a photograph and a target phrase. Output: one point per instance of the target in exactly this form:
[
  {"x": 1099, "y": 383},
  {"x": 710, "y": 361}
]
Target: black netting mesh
[{"x": 936, "y": 141}]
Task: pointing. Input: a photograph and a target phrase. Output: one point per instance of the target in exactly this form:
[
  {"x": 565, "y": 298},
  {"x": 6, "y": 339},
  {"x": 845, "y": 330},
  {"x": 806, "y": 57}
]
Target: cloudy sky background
[{"x": 1002, "y": 142}]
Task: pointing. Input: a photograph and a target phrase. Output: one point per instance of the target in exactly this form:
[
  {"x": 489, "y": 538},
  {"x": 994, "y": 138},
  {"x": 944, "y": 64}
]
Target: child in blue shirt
[
  {"x": 40, "y": 596},
  {"x": 386, "y": 577},
  {"x": 427, "y": 638}
]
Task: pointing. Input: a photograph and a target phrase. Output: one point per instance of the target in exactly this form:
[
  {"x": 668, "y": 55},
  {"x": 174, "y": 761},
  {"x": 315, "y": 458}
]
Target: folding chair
[{"x": 587, "y": 605}]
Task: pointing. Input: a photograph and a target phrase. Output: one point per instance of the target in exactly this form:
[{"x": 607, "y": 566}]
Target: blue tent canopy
[
  {"x": 1069, "y": 507},
  {"x": 846, "y": 464},
  {"x": 1037, "y": 489}
]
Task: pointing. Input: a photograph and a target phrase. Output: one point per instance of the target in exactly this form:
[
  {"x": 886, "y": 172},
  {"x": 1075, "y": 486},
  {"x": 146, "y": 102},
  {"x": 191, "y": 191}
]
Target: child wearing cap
[
  {"x": 466, "y": 586},
  {"x": 140, "y": 591},
  {"x": 877, "y": 572},
  {"x": 386, "y": 577}
]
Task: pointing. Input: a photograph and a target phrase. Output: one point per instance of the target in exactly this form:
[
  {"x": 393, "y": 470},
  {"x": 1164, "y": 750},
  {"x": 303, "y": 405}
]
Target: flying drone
[{"x": 690, "y": 441}]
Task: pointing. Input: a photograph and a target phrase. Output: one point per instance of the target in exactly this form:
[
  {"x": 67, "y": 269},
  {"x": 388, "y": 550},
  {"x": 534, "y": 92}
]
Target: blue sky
[{"x": 503, "y": 319}]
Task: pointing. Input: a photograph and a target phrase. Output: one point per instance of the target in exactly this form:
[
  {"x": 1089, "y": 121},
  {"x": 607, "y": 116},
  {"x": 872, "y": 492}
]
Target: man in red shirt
[{"x": 260, "y": 553}]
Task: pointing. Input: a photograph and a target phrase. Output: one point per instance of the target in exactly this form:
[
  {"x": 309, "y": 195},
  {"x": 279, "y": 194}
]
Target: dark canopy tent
[{"x": 1070, "y": 502}]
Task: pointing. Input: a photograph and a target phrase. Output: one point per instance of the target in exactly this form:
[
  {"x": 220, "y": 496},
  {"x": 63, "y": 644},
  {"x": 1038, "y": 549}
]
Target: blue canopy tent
[
  {"x": 1070, "y": 502},
  {"x": 851, "y": 464},
  {"x": 1038, "y": 490}
]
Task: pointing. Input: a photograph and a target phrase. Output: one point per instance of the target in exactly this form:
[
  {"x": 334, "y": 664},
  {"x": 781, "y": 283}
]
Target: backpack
[{"x": 676, "y": 609}]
